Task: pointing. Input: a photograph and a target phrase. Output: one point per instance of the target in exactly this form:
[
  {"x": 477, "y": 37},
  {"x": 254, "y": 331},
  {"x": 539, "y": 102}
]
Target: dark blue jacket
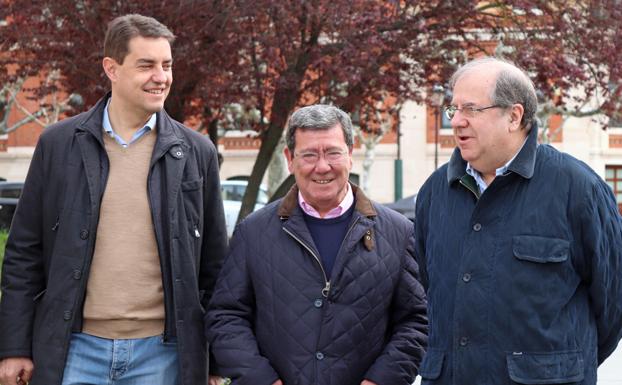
[
  {"x": 50, "y": 247},
  {"x": 525, "y": 283},
  {"x": 275, "y": 314}
]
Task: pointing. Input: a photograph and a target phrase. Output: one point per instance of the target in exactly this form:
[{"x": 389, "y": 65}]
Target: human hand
[
  {"x": 367, "y": 382},
  {"x": 277, "y": 382},
  {"x": 215, "y": 380},
  {"x": 16, "y": 371}
]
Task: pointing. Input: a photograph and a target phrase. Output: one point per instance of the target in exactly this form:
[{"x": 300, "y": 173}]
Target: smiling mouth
[
  {"x": 322, "y": 181},
  {"x": 155, "y": 92}
]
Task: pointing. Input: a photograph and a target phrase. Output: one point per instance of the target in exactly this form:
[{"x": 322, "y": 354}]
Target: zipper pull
[
  {"x": 55, "y": 227},
  {"x": 326, "y": 290},
  {"x": 196, "y": 232}
]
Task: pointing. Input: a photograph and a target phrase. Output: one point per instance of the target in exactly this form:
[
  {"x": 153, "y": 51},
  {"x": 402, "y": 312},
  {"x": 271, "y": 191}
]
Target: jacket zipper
[
  {"x": 165, "y": 334},
  {"x": 55, "y": 227},
  {"x": 326, "y": 289}
]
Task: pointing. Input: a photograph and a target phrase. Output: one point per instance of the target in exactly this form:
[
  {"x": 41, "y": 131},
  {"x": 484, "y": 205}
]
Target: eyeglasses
[
  {"x": 332, "y": 157},
  {"x": 468, "y": 111}
]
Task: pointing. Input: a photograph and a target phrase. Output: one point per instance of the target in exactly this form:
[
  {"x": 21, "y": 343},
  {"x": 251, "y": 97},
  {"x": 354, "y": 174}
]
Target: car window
[
  {"x": 232, "y": 192},
  {"x": 262, "y": 197},
  {"x": 13, "y": 192}
]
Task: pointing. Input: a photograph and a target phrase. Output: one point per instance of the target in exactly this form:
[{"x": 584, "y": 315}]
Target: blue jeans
[{"x": 101, "y": 361}]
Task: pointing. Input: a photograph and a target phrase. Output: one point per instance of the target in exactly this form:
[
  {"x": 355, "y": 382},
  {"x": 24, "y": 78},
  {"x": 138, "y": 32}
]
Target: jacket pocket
[
  {"x": 546, "y": 368},
  {"x": 432, "y": 364},
  {"x": 192, "y": 200},
  {"x": 190, "y": 185},
  {"x": 540, "y": 249}
]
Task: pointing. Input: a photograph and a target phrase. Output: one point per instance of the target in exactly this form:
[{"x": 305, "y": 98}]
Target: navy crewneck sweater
[{"x": 328, "y": 234}]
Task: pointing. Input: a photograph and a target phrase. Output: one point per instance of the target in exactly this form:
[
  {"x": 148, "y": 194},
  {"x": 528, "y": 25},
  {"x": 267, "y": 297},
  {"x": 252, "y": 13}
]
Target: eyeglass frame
[
  {"x": 450, "y": 111},
  {"x": 342, "y": 156}
]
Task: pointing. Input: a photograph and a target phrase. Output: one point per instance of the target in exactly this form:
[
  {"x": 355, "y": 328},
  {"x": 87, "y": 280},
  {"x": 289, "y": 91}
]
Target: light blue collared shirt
[
  {"x": 481, "y": 184},
  {"x": 150, "y": 125}
]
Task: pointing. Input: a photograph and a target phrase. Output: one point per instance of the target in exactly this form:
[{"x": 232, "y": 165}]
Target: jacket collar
[
  {"x": 168, "y": 133},
  {"x": 362, "y": 204},
  {"x": 523, "y": 164}
]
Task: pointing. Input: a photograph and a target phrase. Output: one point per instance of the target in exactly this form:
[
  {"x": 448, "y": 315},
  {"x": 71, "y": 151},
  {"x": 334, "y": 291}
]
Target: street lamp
[
  {"x": 436, "y": 98},
  {"x": 398, "y": 168}
]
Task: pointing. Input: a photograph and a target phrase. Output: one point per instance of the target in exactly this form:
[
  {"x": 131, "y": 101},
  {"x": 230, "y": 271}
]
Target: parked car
[
  {"x": 232, "y": 193},
  {"x": 405, "y": 206},
  {"x": 9, "y": 196}
]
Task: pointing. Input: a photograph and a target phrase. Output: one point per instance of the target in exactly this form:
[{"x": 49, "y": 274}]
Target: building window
[
  {"x": 613, "y": 176},
  {"x": 445, "y": 121}
]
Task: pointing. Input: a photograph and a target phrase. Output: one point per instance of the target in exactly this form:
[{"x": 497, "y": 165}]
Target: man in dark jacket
[
  {"x": 118, "y": 236},
  {"x": 521, "y": 246},
  {"x": 320, "y": 287}
]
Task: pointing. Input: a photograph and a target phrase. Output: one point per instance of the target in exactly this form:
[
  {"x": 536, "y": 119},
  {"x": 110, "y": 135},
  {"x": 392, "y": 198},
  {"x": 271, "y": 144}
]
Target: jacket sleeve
[
  {"x": 420, "y": 238},
  {"x": 400, "y": 359},
  {"x": 233, "y": 347},
  {"x": 602, "y": 244},
  {"x": 214, "y": 245},
  {"x": 23, "y": 275}
]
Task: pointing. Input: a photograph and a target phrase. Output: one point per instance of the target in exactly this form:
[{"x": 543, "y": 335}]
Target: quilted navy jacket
[
  {"x": 525, "y": 283},
  {"x": 275, "y": 314}
]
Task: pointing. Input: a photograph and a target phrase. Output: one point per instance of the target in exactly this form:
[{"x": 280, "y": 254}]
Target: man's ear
[
  {"x": 290, "y": 159},
  {"x": 110, "y": 68},
  {"x": 516, "y": 115}
]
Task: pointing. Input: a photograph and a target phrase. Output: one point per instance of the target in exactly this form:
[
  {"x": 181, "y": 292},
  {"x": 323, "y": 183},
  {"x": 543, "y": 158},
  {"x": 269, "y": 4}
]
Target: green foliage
[{"x": 4, "y": 234}]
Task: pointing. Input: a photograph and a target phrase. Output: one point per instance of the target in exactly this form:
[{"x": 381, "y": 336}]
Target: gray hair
[
  {"x": 318, "y": 117},
  {"x": 513, "y": 86}
]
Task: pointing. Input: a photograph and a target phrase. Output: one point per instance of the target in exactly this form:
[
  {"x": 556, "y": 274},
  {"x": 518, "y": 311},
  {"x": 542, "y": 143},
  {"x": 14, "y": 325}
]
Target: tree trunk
[
  {"x": 285, "y": 99},
  {"x": 277, "y": 168},
  {"x": 370, "y": 153}
]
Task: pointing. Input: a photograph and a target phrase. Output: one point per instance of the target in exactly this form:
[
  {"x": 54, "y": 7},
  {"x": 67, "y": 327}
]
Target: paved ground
[{"x": 609, "y": 373}]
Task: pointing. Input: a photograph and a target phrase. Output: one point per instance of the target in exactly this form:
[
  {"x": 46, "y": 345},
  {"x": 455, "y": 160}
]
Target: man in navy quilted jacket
[
  {"x": 520, "y": 246},
  {"x": 321, "y": 287}
]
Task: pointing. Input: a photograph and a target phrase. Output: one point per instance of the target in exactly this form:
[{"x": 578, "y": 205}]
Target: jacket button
[
  {"x": 466, "y": 277},
  {"x": 67, "y": 315},
  {"x": 477, "y": 227},
  {"x": 318, "y": 303},
  {"x": 319, "y": 355},
  {"x": 464, "y": 341},
  {"x": 77, "y": 274},
  {"x": 84, "y": 234}
]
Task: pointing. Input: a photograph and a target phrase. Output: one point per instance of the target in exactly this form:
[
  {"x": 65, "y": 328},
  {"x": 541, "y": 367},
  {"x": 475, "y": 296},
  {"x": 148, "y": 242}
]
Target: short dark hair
[
  {"x": 123, "y": 28},
  {"x": 318, "y": 117}
]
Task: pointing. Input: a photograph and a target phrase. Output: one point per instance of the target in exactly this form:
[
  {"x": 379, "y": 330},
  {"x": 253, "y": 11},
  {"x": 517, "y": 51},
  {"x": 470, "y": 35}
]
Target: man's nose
[
  {"x": 458, "y": 120},
  {"x": 322, "y": 164},
  {"x": 159, "y": 75}
]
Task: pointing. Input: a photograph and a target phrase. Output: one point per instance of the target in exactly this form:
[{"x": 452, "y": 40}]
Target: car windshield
[{"x": 232, "y": 192}]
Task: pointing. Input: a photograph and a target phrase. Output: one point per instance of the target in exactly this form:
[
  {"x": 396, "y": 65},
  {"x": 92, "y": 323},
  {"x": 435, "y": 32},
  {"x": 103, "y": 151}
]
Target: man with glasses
[
  {"x": 320, "y": 287},
  {"x": 520, "y": 246}
]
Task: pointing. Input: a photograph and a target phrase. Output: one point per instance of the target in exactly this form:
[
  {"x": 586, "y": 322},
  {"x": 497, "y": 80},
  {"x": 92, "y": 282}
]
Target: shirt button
[
  {"x": 319, "y": 355},
  {"x": 466, "y": 277},
  {"x": 67, "y": 315},
  {"x": 84, "y": 234},
  {"x": 318, "y": 303},
  {"x": 477, "y": 227},
  {"x": 77, "y": 274},
  {"x": 464, "y": 341}
]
